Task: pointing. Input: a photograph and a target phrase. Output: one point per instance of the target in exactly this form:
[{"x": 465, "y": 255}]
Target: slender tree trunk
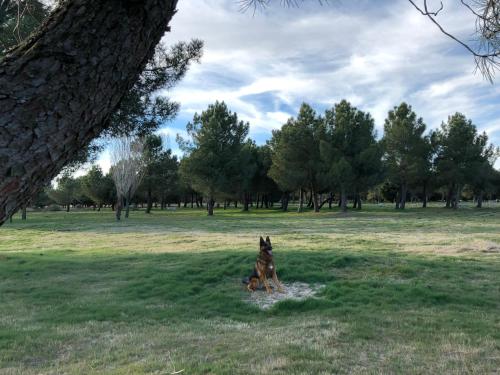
[
  {"x": 359, "y": 203},
  {"x": 402, "y": 205},
  {"x": 119, "y": 206},
  {"x": 23, "y": 213},
  {"x": 449, "y": 197},
  {"x": 314, "y": 196},
  {"x": 246, "y": 201},
  {"x": 127, "y": 205},
  {"x": 67, "y": 207},
  {"x": 149, "y": 201},
  {"x": 310, "y": 200},
  {"x": 284, "y": 202},
  {"x": 59, "y": 87},
  {"x": 456, "y": 199},
  {"x": 480, "y": 200},
  {"x": 330, "y": 201},
  {"x": 99, "y": 206},
  {"x": 424, "y": 199},
  {"x": 299, "y": 209},
  {"x": 343, "y": 200},
  {"x": 210, "y": 206}
]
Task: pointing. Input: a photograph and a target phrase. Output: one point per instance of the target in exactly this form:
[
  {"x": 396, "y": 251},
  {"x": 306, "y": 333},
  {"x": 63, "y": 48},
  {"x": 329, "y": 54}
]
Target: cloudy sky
[{"x": 373, "y": 53}]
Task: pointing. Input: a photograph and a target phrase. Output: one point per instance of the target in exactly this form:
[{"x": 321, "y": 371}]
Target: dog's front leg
[
  {"x": 277, "y": 283},
  {"x": 266, "y": 284}
]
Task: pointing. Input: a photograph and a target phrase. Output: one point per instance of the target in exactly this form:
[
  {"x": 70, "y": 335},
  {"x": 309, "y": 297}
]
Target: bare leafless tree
[{"x": 127, "y": 158}]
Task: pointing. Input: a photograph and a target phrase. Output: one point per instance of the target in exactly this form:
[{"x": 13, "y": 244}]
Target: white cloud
[{"x": 375, "y": 54}]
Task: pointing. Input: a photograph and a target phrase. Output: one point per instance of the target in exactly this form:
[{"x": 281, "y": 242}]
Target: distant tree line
[{"x": 315, "y": 159}]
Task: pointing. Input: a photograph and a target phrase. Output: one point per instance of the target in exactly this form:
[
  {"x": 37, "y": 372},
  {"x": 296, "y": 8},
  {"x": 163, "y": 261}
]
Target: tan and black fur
[{"x": 264, "y": 269}]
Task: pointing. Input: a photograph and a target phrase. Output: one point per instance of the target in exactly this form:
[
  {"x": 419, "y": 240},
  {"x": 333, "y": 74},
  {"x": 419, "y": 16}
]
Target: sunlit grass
[{"x": 405, "y": 292}]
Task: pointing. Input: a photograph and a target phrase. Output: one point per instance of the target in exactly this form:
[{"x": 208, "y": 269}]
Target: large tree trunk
[{"x": 59, "y": 88}]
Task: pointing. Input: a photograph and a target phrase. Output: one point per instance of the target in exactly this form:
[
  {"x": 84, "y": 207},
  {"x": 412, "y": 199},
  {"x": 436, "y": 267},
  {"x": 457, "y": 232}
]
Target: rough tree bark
[{"x": 59, "y": 88}]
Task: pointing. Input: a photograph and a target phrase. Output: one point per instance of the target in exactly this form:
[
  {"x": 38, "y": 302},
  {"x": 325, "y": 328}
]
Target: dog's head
[{"x": 266, "y": 247}]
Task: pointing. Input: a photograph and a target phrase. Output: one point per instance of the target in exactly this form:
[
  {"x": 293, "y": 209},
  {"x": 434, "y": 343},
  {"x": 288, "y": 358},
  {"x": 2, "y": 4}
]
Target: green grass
[{"x": 405, "y": 292}]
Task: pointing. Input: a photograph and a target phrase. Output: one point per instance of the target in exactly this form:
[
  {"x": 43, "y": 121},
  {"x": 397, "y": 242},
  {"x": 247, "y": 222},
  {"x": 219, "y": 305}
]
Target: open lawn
[{"x": 405, "y": 292}]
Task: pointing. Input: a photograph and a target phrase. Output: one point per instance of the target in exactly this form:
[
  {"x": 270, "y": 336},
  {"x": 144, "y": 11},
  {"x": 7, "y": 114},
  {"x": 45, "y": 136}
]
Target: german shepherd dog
[{"x": 264, "y": 268}]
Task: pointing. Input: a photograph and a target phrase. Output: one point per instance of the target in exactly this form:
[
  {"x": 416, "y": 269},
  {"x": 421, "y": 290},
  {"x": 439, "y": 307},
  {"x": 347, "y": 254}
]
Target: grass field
[{"x": 415, "y": 292}]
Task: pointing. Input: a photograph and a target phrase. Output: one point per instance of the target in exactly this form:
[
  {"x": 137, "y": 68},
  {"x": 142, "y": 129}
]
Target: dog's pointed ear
[
  {"x": 262, "y": 242},
  {"x": 268, "y": 240}
]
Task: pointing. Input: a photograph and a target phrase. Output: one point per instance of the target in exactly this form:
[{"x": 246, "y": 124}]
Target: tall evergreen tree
[
  {"x": 66, "y": 191},
  {"x": 351, "y": 154},
  {"x": 405, "y": 146},
  {"x": 97, "y": 186},
  {"x": 296, "y": 160},
  {"x": 462, "y": 154},
  {"x": 214, "y": 152}
]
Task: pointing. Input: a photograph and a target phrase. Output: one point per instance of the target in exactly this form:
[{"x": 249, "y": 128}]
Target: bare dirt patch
[{"x": 293, "y": 291}]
